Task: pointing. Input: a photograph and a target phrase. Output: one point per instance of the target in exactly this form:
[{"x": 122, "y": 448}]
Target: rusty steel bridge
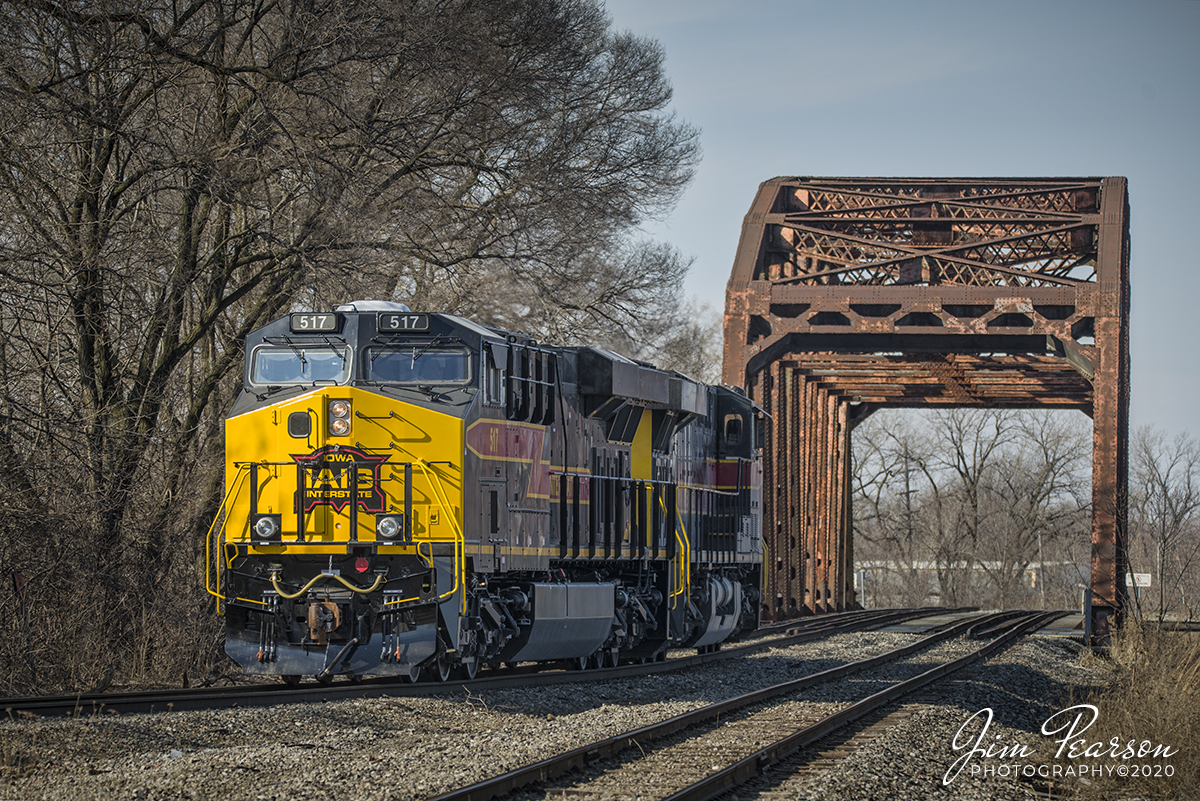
[{"x": 850, "y": 295}]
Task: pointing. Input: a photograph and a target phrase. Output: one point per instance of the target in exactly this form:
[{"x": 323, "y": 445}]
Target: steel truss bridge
[{"x": 850, "y": 295}]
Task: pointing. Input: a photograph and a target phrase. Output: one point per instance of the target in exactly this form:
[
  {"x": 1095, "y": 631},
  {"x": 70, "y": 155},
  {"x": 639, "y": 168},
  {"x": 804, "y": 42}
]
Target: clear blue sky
[{"x": 953, "y": 88}]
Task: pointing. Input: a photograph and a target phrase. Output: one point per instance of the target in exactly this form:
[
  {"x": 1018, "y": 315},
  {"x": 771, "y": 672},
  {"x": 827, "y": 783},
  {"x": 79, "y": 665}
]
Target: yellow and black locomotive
[{"x": 410, "y": 491}]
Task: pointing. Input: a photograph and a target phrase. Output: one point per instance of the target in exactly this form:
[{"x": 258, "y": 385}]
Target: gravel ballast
[{"x": 415, "y": 748}]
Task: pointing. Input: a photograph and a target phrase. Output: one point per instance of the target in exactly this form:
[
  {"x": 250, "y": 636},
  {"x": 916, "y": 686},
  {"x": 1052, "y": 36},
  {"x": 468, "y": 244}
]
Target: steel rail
[
  {"x": 755, "y": 764},
  {"x": 272, "y": 694},
  {"x": 985, "y": 631},
  {"x": 861, "y": 620},
  {"x": 578, "y": 757},
  {"x": 831, "y": 618}
]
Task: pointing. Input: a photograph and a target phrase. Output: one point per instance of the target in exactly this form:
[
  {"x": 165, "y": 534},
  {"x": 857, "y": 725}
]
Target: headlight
[
  {"x": 266, "y": 527},
  {"x": 389, "y": 526},
  {"x": 339, "y": 418}
]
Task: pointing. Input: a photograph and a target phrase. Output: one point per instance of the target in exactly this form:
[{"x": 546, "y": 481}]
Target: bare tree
[
  {"x": 172, "y": 176},
  {"x": 971, "y": 498},
  {"x": 1039, "y": 496},
  {"x": 889, "y": 479},
  {"x": 965, "y": 446},
  {"x": 689, "y": 341},
  {"x": 1165, "y": 508}
]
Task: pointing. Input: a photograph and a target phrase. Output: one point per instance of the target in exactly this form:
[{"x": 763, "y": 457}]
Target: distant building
[{"x": 894, "y": 583}]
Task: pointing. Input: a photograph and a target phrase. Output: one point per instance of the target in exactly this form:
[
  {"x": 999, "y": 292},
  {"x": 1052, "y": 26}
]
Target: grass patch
[{"x": 1152, "y": 699}]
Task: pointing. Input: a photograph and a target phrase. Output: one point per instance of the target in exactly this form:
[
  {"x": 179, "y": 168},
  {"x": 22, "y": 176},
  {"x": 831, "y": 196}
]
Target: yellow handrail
[
  {"x": 460, "y": 545},
  {"x": 683, "y": 576},
  {"x": 208, "y": 539}
]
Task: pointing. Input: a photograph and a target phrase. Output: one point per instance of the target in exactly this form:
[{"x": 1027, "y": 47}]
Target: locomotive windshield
[
  {"x": 418, "y": 364},
  {"x": 300, "y": 364}
]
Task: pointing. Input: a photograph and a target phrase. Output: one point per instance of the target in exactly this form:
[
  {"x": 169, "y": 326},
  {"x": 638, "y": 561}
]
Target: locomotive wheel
[
  {"x": 611, "y": 658},
  {"x": 444, "y": 667},
  {"x": 290, "y": 679},
  {"x": 470, "y": 668},
  {"x": 413, "y": 674},
  {"x": 578, "y": 663},
  {"x": 596, "y": 661}
]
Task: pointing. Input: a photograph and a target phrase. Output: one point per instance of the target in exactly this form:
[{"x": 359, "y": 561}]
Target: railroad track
[
  {"x": 701, "y": 754},
  {"x": 791, "y": 633}
]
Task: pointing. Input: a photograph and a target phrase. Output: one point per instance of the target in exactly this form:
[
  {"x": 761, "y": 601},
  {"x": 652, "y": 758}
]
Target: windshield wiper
[
  {"x": 418, "y": 353},
  {"x": 299, "y": 352},
  {"x": 377, "y": 352},
  {"x": 296, "y": 349},
  {"x": 271, "y": 390},
  {"x": 341, "y": 354}
]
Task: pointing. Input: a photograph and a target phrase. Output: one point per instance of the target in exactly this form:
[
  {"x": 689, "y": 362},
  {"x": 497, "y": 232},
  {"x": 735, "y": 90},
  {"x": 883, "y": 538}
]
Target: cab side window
[{"x": 733, "y": 431}]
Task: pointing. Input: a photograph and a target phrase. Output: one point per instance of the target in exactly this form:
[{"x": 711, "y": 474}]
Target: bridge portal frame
[{"x": 849, "y": 295}]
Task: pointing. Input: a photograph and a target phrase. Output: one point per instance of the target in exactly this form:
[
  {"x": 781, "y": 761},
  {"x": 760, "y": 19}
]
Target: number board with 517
[{"x": 398, "y": 321}]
